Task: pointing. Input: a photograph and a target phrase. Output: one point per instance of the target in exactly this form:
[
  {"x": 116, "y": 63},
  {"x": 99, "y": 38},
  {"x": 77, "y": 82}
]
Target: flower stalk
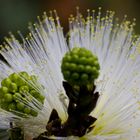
[
  {"x": 82, "y": 99},
  {"x": 81, "y": 103}
]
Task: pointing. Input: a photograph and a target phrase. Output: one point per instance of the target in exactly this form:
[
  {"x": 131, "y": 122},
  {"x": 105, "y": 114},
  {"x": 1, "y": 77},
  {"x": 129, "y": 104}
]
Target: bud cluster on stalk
[
  {"x": 80, "y": 69},
  {"x": 15, "y": 90},
  {"x": 80, "y": 66}
]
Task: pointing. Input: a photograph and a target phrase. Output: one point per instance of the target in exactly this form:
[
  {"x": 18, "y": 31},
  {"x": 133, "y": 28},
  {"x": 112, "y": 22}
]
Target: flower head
[
  {"x": 98, "y": 100},
  {"x": 80, "y": 66}
]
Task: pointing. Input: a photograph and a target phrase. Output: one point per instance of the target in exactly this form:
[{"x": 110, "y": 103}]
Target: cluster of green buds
[
  {"x": 15, "y": 90},
  {"x": 80, "y": 67}
]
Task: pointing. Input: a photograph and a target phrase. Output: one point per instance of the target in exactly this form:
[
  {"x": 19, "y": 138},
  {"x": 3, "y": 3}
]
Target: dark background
[{"x": 16, "y": 14}]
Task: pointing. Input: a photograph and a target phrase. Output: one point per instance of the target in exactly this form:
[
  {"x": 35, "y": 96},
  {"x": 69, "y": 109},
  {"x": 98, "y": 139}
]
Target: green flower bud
[
  {"x": 42, "y": 98},
  {"x": 8, "y": 97},
  {"x": 24, "y": 89},
  {"x": 20, "y": 106},
  {"x": 83, "y": 60},
  {"x": 84, "y": 77},
  {"x": 34, "y": 93},
  {"x": 75, "y": 58},
  {"x": 27, "y": 110},
  {"x": 17, "y": 96},
  {"x": 41, "y": 101},
  {"x": 13, "y": 87},
  {"x": 72, "y": 67},
  {"x": 14, "y": 77},
  {"x": 80, "y": 67},
  {"x": 3, "y": 90},
  {"x": 75, "y": 76},
  {"x": 21, "y": 82},
  {"x": 6, "y": 82},
  {"x": 12, "y": 106},
  {"x": 88, "y": 69},
  {"x": 24, "y": 75},
  {"x": 4, "y": 105},
  {"x": 12, "y": 91}
]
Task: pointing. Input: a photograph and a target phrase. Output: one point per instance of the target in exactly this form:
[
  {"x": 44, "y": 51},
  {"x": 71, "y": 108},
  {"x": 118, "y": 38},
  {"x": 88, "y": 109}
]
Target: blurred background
[{"x": 16, "y": 14}]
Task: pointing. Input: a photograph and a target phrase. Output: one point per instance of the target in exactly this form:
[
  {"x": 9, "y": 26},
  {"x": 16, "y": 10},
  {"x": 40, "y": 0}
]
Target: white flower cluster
[{"x": 118, "y": 52}]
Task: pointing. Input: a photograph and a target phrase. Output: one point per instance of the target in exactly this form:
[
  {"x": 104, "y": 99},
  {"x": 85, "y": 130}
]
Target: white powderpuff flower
[{"x": 118, "y": 52}]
